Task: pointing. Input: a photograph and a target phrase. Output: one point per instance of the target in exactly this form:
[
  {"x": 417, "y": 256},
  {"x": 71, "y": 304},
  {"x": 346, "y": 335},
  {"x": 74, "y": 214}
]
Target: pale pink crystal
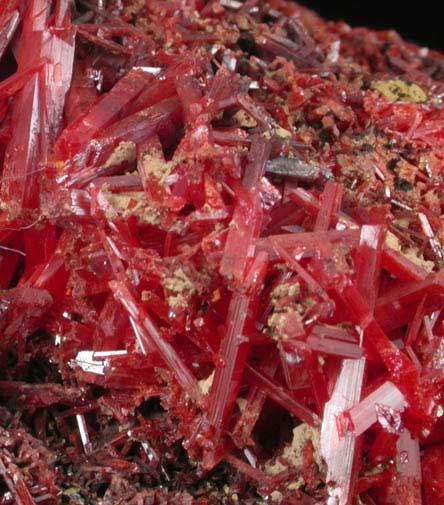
[
  {"x": 339, "y": 451},
  {"x": 386, "y": 401}
]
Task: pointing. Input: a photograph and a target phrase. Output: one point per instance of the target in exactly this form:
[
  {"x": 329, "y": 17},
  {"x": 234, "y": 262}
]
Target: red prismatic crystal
[
  {"x": 23, "y": 153},
  {"x": 86, "y": 127},
  {"x": 9, "y": 21}
]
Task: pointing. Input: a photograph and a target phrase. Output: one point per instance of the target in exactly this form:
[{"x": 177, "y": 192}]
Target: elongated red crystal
[
  {"x": 151, "y": 340},
  {"x": 243, "y": 228},
  {"x": 9, "y": 22},
  {"x": 79, "y": 133},
  {"x": 276, "y": 392},
  {"x": 369, "y": 262},
  {"x": 23, "y": 153}
]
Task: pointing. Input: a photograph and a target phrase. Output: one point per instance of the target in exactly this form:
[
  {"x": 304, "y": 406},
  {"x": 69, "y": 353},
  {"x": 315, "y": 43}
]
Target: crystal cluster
[{"x": 222, "y": 263}]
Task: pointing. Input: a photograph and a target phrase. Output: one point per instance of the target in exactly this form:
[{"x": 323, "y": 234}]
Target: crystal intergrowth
[{"x": 221, "y": 248}]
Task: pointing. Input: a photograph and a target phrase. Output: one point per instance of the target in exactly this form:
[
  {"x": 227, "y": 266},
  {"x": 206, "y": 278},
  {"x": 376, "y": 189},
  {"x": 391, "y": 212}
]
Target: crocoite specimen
[{"x": 222, "y": 264}]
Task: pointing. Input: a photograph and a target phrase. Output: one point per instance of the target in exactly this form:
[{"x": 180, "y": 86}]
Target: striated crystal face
[{"x": 221, "y": 252}]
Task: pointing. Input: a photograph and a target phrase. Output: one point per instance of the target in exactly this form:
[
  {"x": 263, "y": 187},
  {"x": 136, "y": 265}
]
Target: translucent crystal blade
[{"x": 339, "y": 451}]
